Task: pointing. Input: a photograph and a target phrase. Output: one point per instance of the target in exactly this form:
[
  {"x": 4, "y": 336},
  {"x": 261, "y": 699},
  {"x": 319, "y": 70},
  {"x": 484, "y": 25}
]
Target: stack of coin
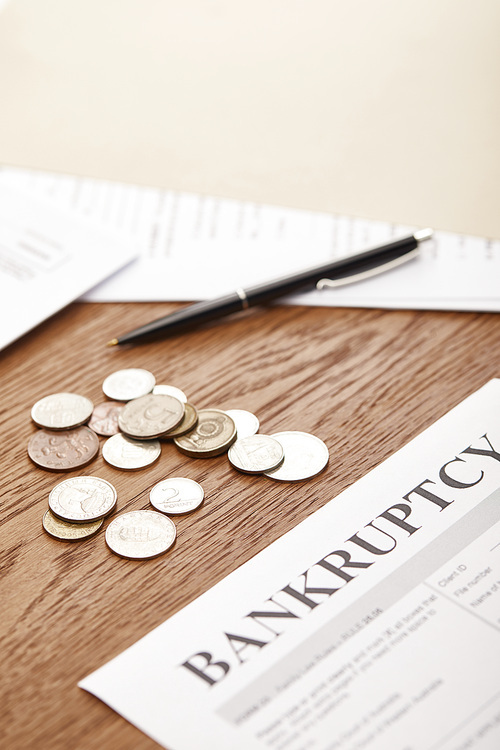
[
  {"x": 256, "y": 454},
  {"x": 287, "y": 456},
  {"x": 64, "y": 442},
  {"x": 138, "y": 417},
  {"x": 151, "y": 413},
  {"x": 162, "y": 413},
  {"x": 212, "y": 435},
  {"x": 77, "y": 507}
]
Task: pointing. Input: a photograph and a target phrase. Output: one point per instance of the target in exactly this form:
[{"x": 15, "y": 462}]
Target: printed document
[
  {"x": 197, "y": 247},
  {"x": 374, "y": 623},
  {"x": 48, "y": 258}
]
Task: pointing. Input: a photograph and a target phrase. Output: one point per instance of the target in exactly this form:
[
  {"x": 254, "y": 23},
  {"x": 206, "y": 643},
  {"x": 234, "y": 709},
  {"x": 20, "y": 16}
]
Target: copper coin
[
  {"x": 63, "y": 451},
  {"x": 104, "y": 419}
]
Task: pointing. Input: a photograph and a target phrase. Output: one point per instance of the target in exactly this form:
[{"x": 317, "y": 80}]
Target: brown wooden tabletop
[{"x": 364, "y": 381}]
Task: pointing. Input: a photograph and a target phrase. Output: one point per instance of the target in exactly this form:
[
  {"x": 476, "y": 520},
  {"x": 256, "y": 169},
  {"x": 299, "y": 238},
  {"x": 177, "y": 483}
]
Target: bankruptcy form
[
  {"x": 374, "y": 623},
  {"x": 194, "y": 247}
]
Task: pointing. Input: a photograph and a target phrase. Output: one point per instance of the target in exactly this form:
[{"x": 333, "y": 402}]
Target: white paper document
[
  {"x": 48, "y": 258},
  {"x": 196, "y": 247},
  {"x": 374, "y": 623}
]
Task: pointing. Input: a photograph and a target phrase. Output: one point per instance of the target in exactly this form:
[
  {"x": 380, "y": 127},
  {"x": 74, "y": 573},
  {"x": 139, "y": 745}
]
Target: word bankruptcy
[{"x": 339, "y": 567}]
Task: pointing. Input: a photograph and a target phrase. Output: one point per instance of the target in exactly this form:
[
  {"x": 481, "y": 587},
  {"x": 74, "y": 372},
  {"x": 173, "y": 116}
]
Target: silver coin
[
  {"x": 140, "y": 534},
  {"x": 176, "y": 495},
  {"x": 150, "y": 416},
  {"x": 126, "y": 453},
  {"x": 82, "y": 499},
  {"x": 215, "y": 431},
  {"x": 255, "y": 454},
  {"x": 246, "y": 423},
  {"x": 124, "y": 385},
  {"x": 62, "y": 411},
  {"x": 305, "y": 456},
  {"x": 170, "y": 390}
]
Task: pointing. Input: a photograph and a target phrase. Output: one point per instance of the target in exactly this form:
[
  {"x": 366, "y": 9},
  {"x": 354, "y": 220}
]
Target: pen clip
[{"x": 332, "y": 283}]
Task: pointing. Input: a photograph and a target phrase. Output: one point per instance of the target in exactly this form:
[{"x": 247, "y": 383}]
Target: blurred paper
[
  {"x": 196, "y": 247},
  {"x": 48, "y": 257}
]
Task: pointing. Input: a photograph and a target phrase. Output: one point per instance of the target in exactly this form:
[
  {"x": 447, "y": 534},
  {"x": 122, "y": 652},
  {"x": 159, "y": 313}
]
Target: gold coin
[
  {"x": 214, "y": 433},
  {"x": 189, "y": 421},
  {"x": 69, "y": 532}
]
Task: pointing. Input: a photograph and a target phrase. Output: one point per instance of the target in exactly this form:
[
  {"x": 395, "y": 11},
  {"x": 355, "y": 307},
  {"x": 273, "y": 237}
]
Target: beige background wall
[{"x": 387, "y": 109}]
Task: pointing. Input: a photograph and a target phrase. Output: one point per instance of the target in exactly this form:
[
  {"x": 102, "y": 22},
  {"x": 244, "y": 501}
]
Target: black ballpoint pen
[{"x": 336, "y": 273}]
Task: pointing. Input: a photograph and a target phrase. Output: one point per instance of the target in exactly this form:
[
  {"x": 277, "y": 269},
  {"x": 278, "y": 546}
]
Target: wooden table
[{"x": 365, "y": 381}]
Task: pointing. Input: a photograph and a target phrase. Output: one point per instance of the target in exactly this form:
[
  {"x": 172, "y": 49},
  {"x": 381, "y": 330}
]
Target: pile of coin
[
  {"x": 78, "y": 506},
  {"x": 138, "y": 417}
]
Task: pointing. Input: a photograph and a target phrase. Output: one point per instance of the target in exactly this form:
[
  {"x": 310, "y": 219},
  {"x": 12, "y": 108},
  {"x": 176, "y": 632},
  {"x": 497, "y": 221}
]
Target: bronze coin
[
  {"x": 104, "y": 419},
  {"x": 65, "y": 450}
]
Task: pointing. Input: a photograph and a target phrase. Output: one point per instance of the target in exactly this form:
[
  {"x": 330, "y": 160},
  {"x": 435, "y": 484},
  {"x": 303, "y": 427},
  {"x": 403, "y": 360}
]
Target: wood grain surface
[{"x": 365, "y": 381}]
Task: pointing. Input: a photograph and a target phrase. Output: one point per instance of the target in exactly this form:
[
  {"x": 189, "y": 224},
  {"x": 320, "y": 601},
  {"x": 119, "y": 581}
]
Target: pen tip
[
  {"x": 423, "y": 234},
  {"x": 113, "y": 342}
]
